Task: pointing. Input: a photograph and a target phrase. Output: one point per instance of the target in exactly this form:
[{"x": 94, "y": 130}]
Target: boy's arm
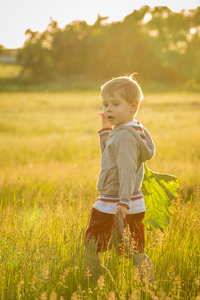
[
  {"x": 104, "y": 132},
  {"x": 127, "y": 150}
]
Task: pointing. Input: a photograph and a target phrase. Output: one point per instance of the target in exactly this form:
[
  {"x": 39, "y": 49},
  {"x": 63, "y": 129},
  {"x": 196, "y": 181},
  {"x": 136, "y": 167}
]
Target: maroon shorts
[{"x": 102, "y": 225}]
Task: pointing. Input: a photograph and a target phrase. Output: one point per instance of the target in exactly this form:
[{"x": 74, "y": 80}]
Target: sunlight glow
[
  {"x": 193, "y": 30},
  {"x": 147, "y": 18}
]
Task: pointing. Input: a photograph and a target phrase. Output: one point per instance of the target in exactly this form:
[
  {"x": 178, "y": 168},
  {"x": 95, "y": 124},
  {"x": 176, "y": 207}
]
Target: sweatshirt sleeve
[
  {"x": 103, "y": 136},
  {"x": 126, "y": 154}
]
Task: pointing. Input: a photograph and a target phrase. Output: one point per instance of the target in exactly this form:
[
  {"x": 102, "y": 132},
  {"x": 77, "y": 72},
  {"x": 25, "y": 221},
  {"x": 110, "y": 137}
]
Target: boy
[{"x": 124, "y": 149}]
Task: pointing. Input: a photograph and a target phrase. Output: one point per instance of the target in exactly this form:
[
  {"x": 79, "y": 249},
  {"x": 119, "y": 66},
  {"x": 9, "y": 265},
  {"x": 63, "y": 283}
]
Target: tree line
[{"x": 157, "y": 43}]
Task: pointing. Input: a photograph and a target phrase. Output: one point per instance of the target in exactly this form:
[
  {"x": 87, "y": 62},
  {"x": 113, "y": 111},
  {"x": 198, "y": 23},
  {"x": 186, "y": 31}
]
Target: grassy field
[{"x": 50, "y": 162}]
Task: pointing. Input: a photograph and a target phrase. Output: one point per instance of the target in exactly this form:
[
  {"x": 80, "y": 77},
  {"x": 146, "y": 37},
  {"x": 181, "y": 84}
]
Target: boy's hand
[
  {"x": 105, "y": 123},
  {"x": 123, "y": 210}
]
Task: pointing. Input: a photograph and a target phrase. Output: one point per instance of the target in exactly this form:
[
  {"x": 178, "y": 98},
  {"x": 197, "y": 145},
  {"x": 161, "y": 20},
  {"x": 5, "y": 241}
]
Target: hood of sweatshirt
[{"x": 143, "y": 137}]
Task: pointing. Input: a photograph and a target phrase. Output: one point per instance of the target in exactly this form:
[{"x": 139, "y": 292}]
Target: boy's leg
[
  {"x": 136, "y": 227},
  {"x": 97, "y": 239},
  {"x": 140, "y": 259},
  {"x": 144, "y": 266},
  {"x": 92, "y": 263},
  {"x": 99, "y": 229}
]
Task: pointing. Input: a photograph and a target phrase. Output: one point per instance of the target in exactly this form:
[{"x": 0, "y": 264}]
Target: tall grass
[
  {"x": 42, "y": 251},
  {"x": 50, "y": 162}
]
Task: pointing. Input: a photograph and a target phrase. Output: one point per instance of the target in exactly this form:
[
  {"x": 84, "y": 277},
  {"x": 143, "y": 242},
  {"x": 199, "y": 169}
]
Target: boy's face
[{"x": 117, "y": 110}]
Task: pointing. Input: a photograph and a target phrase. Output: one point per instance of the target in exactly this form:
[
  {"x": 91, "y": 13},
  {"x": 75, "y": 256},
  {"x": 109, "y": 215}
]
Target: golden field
[{"x": 50, "y": 161}]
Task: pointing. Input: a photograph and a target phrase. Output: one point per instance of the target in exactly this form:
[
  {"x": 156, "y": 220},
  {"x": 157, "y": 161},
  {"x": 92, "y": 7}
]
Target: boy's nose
[{"x": 109, "y": 108}]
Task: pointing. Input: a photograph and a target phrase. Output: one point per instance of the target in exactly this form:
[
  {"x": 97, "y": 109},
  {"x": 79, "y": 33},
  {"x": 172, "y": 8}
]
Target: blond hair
[{"x": 127, "y": 87}]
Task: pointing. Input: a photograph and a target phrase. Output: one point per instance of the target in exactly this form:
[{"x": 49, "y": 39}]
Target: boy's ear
[{"x": 134, "y": 106}]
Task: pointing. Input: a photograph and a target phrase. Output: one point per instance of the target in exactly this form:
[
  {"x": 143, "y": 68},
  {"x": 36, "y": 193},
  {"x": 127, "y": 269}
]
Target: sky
[{"x": 16, "y": 16}]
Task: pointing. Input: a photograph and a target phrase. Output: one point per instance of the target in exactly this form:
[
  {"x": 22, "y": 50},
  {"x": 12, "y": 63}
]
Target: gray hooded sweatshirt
[{"x": 124, "y": 150}]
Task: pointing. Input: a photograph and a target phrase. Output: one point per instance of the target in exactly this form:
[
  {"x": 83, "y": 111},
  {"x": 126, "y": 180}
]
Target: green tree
[
  {"x": 69, "y": 48},
  {"x": 169, "y": 37},
  {"x": 158, "y": 44},
  {"x": 35, "y": 56}
]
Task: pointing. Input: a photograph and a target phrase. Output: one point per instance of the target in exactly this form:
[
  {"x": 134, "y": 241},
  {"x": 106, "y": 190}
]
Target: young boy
[{"x": 124, "y": 149}]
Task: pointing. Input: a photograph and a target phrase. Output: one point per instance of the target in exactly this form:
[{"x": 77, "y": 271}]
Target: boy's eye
[{"x": 105, "y": 105}]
